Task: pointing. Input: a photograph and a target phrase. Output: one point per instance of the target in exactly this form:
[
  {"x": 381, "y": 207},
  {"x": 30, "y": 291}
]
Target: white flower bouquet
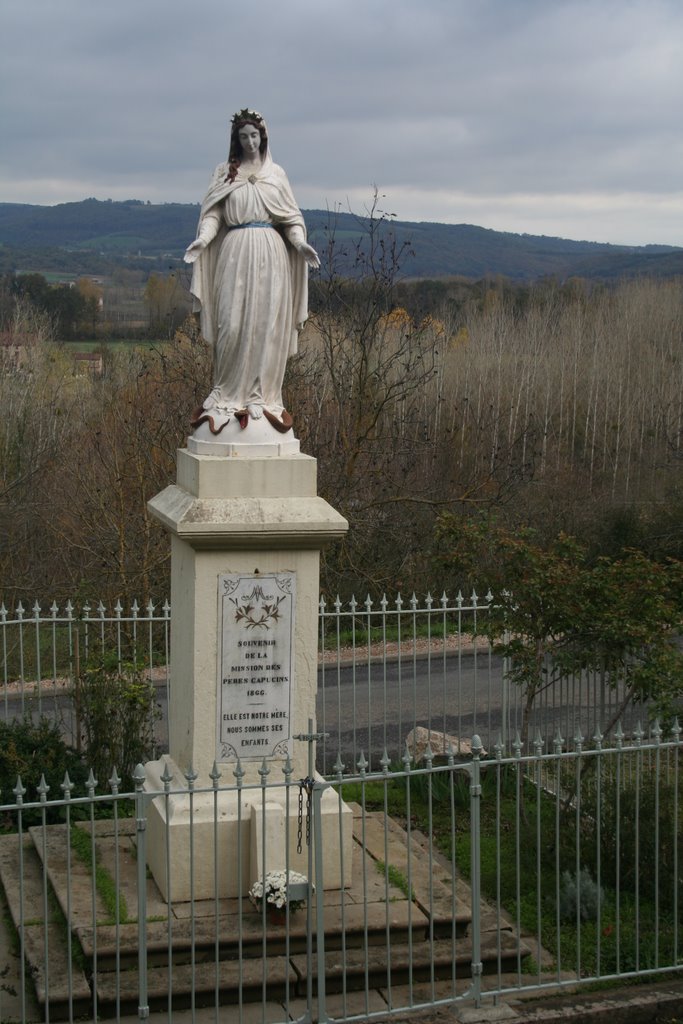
[{"x": 280, "y": 888}]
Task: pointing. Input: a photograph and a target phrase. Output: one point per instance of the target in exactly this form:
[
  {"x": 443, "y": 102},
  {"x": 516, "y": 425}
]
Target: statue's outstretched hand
[
  {"x": 193, "y": 250},
  {"x": 310, "y": 255}
]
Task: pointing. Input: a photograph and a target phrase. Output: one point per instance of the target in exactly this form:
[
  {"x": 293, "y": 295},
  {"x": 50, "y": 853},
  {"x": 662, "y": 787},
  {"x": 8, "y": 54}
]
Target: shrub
[
  {"x": 117, "y": 712},
  {"x": 640, "y": 837},
  {"x": 580, "y": 897},
  {"x": 31, "y": 750}
]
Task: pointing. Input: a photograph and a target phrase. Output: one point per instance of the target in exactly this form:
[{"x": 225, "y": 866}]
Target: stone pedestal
[{"x": 240, "y": 518}]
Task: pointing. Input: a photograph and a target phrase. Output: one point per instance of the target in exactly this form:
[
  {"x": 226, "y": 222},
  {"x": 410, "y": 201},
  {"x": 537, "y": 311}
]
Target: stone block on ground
[{"x": 441, "y": 744}]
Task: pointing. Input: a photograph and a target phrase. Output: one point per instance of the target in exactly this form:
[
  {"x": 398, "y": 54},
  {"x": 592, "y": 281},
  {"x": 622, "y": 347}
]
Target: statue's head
[{"x": 240, "y": 120}]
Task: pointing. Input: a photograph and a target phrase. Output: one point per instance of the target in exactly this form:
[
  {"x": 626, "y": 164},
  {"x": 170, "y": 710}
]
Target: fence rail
[
  {"x": 487, "y": 869},
  {"x": 386, "y": 668},
  {"x": 470, "y": 881},
  {"x": 44, "y": 654}
]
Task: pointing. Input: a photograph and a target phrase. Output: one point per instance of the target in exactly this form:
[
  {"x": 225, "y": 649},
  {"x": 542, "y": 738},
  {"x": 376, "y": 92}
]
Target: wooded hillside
[{"x": 116, "y": 231}]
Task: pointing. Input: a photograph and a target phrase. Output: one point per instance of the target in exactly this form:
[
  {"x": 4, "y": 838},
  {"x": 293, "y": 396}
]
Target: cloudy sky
[{"x": 559, "y": 117}]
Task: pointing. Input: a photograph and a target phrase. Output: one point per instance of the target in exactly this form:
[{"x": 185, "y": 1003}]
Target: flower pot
[{"x": 277, "y": 916}]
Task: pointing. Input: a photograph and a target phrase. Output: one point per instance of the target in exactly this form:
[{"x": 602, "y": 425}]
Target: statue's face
[{"x": 250, "y": 140}]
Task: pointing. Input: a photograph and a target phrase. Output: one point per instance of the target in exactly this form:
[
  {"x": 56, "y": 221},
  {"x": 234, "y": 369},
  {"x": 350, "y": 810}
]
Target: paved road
[
  {"x": 366, "y": 709},
  {"x": 363, "y": 709}
]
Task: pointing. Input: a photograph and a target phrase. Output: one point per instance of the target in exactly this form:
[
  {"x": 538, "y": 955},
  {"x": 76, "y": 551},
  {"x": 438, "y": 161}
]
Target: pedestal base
[
  {"x": 259, "y": 439},
  {"x": 250, "y": 517},
  {"x": 247, "y": 830}
]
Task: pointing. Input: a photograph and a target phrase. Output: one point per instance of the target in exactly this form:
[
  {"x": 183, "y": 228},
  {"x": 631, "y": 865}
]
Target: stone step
[
  {"x": 72, "y": 881},
  {"x": 49, "y": 961},
  {"x": 198, "y": 985},
  {"x": 376, "y": 967},
  {"x": 348, "y": 925},
  {"x": 430, "y": 882},
  {"x": 352, "y": 970},
  {"x": 373, "y": 933}
]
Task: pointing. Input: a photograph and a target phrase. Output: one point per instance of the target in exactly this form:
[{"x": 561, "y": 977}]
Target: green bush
[
  {"x": 31, "y": 750},
  {"x": 640, "y": 837},
  {"x": 117, "y": 712}
]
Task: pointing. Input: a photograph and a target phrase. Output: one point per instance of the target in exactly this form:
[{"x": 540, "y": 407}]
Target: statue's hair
[{"x": 239, "y": 120}]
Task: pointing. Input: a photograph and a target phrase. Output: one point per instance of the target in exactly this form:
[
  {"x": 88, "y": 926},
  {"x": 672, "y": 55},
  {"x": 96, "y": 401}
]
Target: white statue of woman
[{"x": 249, "y": 280}]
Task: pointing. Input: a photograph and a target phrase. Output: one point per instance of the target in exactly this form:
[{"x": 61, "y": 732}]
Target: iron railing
[
  {"x": 499, "y": 876},
  {"x": 385, "y": 670},
  {"x": 389, "y": 668},
  {"x": 45, "y": 653}
]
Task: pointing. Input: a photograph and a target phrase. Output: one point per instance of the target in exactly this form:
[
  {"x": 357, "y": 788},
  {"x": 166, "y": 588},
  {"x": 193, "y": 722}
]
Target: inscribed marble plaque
[{"x": 256, "y": 641}]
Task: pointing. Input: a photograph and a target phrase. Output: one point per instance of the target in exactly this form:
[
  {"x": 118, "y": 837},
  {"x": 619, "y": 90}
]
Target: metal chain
[
  {"x": 300, "y": 818},
  {"x": 309, "y": 790},
  {"x": 307, "y": 785}
]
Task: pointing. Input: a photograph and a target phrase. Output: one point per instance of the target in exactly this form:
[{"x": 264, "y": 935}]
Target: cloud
[{"x": 448, "y": 105}]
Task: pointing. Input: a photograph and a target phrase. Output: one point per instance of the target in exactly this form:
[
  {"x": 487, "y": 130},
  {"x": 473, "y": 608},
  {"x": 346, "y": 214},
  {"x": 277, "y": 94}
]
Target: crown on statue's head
[{"x": 247, "y": 115}]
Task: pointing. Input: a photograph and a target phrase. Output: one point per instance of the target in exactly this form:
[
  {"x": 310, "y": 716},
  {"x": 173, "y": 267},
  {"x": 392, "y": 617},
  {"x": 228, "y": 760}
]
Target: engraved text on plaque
[{"x": 255, "y": 645}]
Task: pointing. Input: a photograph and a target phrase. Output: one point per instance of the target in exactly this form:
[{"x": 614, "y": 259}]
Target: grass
[
  {"x": 114, "y": 900},
  {"x": 396, "y": 878},
  {"x": 526, "y": 843},
  {"x": 373, "y": 793},
  {"x": 408, "y": 628},
  {"x": 123, "y": 344}
]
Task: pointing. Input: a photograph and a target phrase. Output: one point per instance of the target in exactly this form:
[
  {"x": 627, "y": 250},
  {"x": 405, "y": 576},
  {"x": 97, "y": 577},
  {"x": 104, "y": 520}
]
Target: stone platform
[{"x": 376, "y": 938}]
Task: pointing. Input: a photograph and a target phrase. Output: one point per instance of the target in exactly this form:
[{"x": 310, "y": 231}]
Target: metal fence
[
  {"x": 45, "y": 654},
  {"x": 470, "y": 881},
  {"x": 389, "y": 668},
  {"x": 386, "y": 668},
  {"x": 489, "y": 868}
]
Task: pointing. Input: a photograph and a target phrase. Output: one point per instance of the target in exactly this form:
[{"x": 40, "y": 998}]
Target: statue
[{"x": 249, "y": 280}]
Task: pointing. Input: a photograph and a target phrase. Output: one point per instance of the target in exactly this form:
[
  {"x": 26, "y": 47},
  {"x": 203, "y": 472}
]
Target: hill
[
  {"x": 474, "y": 252},
  {"x": 109, "y": 233},
  {"x": 107, "y": 227}
]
